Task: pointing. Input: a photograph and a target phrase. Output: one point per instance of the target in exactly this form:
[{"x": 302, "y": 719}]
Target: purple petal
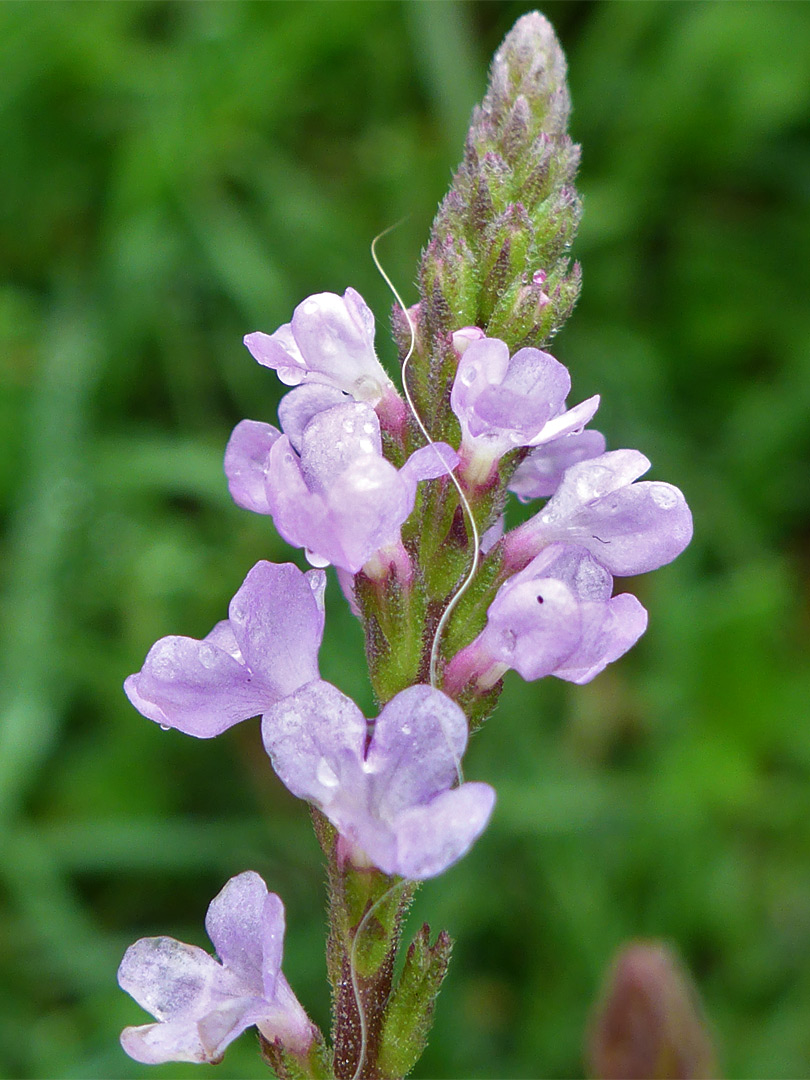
[
  {"x": 636, "y": 529},
  {"x": 567, "y": 423},
  {"x": 432, "y": 837},
  {"x": 277, "y": 619},
  {"x": 483, "y": 363},
  {"x": 156, "y": 1044},
  {"x": 493, "y": 534},
  {"x": 293, "y": 507},
  {"x": 368, "y": 505},
  {"x": 335, "y": 439},
  {"x": 286, "y": 1020},
  {"x": 336, "y": 338},
  {"x": 534, "y": 388},
  {"x": 315, "y": 739},
  {"x": 418, "y": 741},
  {"x": 222, "y": 636},
  {"x": 429, "y": 462},
  {"x": 246, "y": 460},
  {"x": 360, "y": 311},
  {"x": 575, "y": 567},
  {"x": 194, "y": 686},
  {"x": 609, "y": 630},
  {"x": 539, "y": 475},
  {"x": 349, "y": 518},
  {"x": 171, "y": 980},
  {"x": 202, "y": 1006},
  {"x": 246, "y": 925},
  {"x": 590, "y": 480},
  {"x": 503, "y": 402},
  {"x": 533, "y": 627},
  {"x": 278, "y": 351},
  {"x": 297, "y": 408}
]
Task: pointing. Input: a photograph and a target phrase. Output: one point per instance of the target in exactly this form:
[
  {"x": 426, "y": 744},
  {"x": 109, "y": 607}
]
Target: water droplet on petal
[
  {"x": 469, "y": 374},
  {"x": 208, "y": 656},
  {"x": 165, "y": 727},
  {"x": 326, "y": 775},
  {"x": 592, "y": 483},
  {"x": 508, "y": 642},
  {"x": 367, "y": 388},
  {"x": 348, "y": 426},
  {"x": 406, "y": 729},
  {"x": 663, "y": 496}
]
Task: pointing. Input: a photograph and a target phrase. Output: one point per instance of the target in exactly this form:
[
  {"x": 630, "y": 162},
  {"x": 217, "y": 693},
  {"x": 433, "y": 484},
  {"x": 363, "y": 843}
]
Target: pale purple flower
[
  {"x": 627, "y": 527},
  {"x": 390, "y": 795},
  {"x": 267, "y": 648},
  {"x": 539, "y": 475},
  {"x": 327, "y": 485},
  {"x": 555, "y": 617},
  {"x": 330, "y": 341},
  {"x": 504, "y": 402},
  {"x": 202, "y": 1004}
]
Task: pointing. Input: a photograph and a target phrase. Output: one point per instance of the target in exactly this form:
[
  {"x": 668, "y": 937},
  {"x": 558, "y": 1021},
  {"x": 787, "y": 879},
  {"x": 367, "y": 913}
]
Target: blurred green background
[{"x": 173, "y": 175}]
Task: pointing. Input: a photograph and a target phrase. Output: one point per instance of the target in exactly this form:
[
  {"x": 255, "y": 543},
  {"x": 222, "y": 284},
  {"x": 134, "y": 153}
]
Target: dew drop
[
  {"x": 593, "y": 483},
  {"x": 325, "y": 774},
  {"x": 367, "y": 389},
  {"x": 663, "y": 496},
  {"x": 469, "y": 374},
  {"x": 165, "y": 727},
  {"x": 208, "y": 656}
]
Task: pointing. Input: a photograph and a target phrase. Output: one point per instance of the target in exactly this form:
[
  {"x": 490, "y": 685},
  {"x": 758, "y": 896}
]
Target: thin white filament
[
  {"x": 361, "y": 1060},
  {"x": 434, "y": 650},
  {"x": 448, "y": 611}
]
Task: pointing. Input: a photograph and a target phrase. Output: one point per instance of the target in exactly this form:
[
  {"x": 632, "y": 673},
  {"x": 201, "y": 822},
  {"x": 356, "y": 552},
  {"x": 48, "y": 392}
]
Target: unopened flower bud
[
  {"x": 649, "y": 1023},
  {"x": 512, "y": 207}
]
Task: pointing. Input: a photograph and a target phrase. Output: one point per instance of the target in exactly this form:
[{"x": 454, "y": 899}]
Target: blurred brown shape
[{"x": 649, "y": 1023}]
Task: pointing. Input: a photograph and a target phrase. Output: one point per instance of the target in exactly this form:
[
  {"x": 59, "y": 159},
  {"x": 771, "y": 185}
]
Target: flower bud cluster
[{"x": 497, "y": 257}]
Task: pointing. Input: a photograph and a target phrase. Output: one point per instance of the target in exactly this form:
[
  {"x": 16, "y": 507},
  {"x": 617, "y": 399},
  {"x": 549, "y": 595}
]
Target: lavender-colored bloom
[
  {"x": 265, "y": 649},
  {"x": 503, "y": 402},
  {"x": 330, "y": 341},
  {"x": 202, "y": 1004},
  {"x": 327, "y": 485},
  {"x": 539, "y": 475},
  {"x": 389, "y": 796},
  {"x": 628, "y": 527},
  {"x": 555, "y": 617}
]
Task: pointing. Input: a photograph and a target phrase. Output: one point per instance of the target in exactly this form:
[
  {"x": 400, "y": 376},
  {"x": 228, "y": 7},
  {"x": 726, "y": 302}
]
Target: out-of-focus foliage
[{"x": 174, "y": 175}]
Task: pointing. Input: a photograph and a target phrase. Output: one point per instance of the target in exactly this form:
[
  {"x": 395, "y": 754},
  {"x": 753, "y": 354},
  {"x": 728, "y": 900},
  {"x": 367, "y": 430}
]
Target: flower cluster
[
  {"x": 388, "y": 787},
  {"x": 352, "y": 478}
]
